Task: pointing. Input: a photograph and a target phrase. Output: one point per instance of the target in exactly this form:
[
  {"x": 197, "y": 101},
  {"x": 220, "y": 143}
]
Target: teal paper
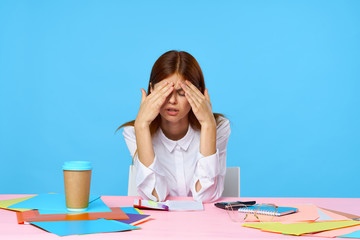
[
  {"x": 355, "y": 234},
  {"x": 65, "y": 228},
  {"x": 55, "y": 203},
  {"x": 95, "y": 206},
  {"x": 129, "y": 210}
]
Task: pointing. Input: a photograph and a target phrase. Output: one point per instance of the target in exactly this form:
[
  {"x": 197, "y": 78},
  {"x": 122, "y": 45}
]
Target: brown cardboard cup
[{"x": 77, "y": 189}]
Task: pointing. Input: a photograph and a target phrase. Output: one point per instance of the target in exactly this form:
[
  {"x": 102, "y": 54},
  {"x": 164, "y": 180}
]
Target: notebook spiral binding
[{"x": 261, "y": 211}]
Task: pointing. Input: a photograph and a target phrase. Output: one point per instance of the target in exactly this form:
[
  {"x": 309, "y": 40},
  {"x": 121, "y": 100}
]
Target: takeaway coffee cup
[{"x": 77, "y": 178}]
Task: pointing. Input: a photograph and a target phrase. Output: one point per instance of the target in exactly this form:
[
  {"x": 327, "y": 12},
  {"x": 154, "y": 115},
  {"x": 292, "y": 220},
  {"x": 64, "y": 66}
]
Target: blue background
[{"x": 286, "y": 73}]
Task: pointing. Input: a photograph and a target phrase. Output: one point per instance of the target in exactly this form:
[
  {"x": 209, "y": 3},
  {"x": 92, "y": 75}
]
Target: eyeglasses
[{"x": 257, "y": 213}]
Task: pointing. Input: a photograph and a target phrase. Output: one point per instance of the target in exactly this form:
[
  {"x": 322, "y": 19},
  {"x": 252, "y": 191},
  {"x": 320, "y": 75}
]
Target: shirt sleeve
[
  {"x": 147, "y": 178},
  {"x": 211, "y": 170}
]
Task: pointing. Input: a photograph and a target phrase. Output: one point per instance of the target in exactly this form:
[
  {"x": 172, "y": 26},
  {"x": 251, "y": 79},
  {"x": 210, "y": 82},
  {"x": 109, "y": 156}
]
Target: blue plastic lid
[{"x": 77, "y": 166}]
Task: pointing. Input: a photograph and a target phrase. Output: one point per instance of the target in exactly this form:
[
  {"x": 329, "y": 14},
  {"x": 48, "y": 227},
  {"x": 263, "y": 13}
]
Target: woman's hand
[
  {"x": 151, "y": 104},
  {"x": 200, "y": 104}
]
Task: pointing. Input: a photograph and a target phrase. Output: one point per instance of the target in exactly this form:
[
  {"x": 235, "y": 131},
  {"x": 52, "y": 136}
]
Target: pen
[{"x": 149, "y": 204}]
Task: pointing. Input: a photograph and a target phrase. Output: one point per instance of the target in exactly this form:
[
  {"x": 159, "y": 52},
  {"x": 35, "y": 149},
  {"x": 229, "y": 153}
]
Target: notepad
[
  {"x": 169, "y": 205},
  {"x": 268, "y": 210},
  {"x": 184, "y": 205}
]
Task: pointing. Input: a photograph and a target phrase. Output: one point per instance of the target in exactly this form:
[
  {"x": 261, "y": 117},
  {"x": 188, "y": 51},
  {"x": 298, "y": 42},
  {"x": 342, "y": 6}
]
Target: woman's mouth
[{"x": 172, "y": 111}]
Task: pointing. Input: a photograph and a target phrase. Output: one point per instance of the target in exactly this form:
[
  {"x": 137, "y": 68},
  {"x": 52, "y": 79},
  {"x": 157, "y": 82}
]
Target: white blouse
[{"x": 178, "y": 165}]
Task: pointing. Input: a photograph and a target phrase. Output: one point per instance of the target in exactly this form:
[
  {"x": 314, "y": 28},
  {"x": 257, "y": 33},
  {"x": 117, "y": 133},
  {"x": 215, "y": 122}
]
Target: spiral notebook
[{"x": 268, "y": 210}]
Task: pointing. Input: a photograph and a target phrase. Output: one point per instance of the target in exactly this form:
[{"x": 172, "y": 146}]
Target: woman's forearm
[
  {"x": 208, "y": 139},
  {"x": 145, "y": 149},
  {"x": 144, "y": 144},
  {"x": 207, "y": 143}
]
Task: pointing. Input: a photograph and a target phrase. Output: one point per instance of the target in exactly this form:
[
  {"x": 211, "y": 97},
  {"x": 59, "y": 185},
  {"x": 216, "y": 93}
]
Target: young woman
[{"x": 178, "y": 145}]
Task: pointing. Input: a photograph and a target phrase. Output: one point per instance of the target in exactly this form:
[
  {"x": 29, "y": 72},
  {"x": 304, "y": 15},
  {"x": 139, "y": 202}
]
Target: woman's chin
[
  {"x": 173, "y": 119},
  {"x": 169, "y": 118}
]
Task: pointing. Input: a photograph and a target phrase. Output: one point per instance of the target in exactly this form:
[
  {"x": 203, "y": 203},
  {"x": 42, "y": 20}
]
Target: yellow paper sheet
[
  {"x": 139, "y": 211},
  {"x": 301, "y": 228},
  {"x": 6, "y": 203}
]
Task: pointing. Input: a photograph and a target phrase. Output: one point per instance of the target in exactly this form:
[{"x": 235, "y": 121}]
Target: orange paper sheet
[{"x": 34, "y": 216}]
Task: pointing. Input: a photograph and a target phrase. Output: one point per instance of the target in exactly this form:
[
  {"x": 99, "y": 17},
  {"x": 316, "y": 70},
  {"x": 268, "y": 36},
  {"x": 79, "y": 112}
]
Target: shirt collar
[{"x": 184, "y": 142}]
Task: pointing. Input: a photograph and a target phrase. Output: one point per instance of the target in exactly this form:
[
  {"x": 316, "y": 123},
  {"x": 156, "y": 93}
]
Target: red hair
[{"x": 183, "y": 64}]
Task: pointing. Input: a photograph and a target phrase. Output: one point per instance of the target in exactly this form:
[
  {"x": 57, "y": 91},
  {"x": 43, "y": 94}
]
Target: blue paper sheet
[
  {"x": 55, "y": 203},
  {"x": 355, "y": 234},
  {"x": 65, "y": 228},
  {"x": 323, "y": 216}
]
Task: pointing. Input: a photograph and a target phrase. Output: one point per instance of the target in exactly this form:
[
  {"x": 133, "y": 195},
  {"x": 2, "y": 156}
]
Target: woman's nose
[{"x": 172, "y": 97}]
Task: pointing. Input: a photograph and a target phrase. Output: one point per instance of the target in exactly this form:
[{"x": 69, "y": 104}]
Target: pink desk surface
[{"x": 212, "y": 223}]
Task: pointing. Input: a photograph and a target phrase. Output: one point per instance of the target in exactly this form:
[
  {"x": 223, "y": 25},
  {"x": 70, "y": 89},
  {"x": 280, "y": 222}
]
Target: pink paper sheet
[
  {"x": 334, "y": 215},
  {"x": 336, "y": 232}
]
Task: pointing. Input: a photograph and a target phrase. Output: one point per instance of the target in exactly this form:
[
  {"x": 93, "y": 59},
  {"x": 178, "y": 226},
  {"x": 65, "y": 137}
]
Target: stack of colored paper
[
  {"x": 49, "y": 212},
  {"x": 310, "y": 221}
]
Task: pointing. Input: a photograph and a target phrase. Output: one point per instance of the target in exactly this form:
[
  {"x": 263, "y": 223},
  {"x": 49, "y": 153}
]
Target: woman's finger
[
  {"x": 143, "y": 95},
  {"x": 191, "y": 93},
  {"x": 156, "y": 91},
  {"x": 159, "y": 99},
  {"x": 164, "y": 93},
  {"x": 190, "y": 99},
  {"x": 194, "y": 89},
  {"x": 207, "y": 97}
]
